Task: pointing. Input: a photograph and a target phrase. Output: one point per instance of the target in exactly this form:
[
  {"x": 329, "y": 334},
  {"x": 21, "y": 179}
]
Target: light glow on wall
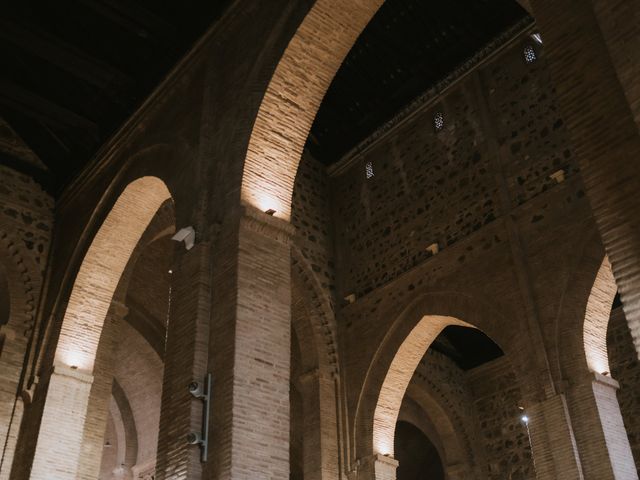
[
  {"x": 399, "y": 375},
  {"x": 597, "y": 317},
  {"x": 102, "y": 268}
]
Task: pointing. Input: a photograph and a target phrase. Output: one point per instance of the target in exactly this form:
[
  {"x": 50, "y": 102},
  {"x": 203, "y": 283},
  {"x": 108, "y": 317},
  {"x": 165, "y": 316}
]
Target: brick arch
[
  {"x": 321, "y": 315},
  {"x": 452, "y": 448},
  {"x": 583, "y": 315},
  {"x": 130, "y": 433},
  {"x": 596, "y": 319},
  {"x": 293, "y": 97},
  {"x": 102, "y": 268},
  {"x": 399, "y": 354},
  {"x": 399, "y": 374},
  {"x": 451, "y": 424}
]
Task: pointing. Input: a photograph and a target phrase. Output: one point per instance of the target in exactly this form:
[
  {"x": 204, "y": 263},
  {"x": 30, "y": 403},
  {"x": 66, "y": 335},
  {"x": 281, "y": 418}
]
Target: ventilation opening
[
  {"x": 438, "y": 121},
  {"x": 368, "y": 170},
  {"x": 529, "y": 54}
]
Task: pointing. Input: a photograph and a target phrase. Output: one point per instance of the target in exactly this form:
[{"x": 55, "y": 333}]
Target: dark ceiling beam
[
  {"x": 40, "y": 176},
  {"x": 35, "y": 106},
  {"x": 64, "y": 56},
  {"x": 59, "y": 158},
  {"x": 134, "y": 18}
]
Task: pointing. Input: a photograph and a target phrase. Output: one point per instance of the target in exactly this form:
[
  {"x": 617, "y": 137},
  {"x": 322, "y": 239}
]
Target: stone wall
[
  {"x": 26, "y": 221},
  {"x": 441, "y": 186},
  {"x": 625, "y": 368},
  {"x": 503, "y": 434},
  {"x": 482, "y": 405},
  {"x": 311, "y": 216},
  {"x": 26, "y": 212},
  {"x": 443, "y": 381}
]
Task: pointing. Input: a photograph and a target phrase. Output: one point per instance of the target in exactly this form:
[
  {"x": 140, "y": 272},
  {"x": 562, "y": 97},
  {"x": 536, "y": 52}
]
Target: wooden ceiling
[
  {"x": 407, "y": 48},
  {"x": 74, "y": 70}
]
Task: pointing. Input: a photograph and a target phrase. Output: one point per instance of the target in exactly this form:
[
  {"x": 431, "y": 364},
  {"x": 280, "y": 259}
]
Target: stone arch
[
  {"x": 421, "y": 406},
  {"x": 452, "y": 428},
  {"x": 313, "y": 325},
  {"x": 293, "y": 97},
  {"x": 399, "y": 353},
  {"x": 101, "y": 269},
  {"x": 130, "y": 434},
  {"x": 22, "y": 278}
]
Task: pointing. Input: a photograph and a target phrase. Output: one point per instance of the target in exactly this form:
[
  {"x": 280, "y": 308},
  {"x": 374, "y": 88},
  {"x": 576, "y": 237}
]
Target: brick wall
[{"x": 503, "y": 434}]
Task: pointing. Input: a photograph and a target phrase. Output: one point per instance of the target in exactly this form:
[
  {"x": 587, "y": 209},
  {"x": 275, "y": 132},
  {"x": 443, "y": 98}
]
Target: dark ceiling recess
[
  {"x": 466, "y": 346},
  {"x": 74, "y": 70},
  {"x": 407, "y": 48}
]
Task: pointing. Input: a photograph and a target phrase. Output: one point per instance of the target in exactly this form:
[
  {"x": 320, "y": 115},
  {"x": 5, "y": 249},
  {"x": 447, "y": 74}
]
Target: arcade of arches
[{"x": 389, "y": 269}]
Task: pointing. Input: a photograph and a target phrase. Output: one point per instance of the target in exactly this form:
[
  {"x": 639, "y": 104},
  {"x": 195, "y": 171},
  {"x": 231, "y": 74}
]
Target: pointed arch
[
  {"x": 596, "y": 319},
  {"x": 293, "y": 97},
  {"x": 102, "y": 268},
  {"x": 60, "y": 438},
  {"x": 398, "y": 376}
]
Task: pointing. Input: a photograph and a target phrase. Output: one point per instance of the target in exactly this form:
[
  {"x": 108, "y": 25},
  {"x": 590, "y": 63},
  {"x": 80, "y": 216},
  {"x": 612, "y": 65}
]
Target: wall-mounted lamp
[
  {"x": 201, "y": 391},
  {"x": 525, "y": 419},
  {"x": 186, "y": 235}
]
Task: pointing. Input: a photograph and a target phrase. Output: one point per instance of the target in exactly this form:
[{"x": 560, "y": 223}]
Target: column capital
[
  {"x": 264, "y": 224},
  {"x": 377, "y": 467},
  {"x": 119, "y": 309}
]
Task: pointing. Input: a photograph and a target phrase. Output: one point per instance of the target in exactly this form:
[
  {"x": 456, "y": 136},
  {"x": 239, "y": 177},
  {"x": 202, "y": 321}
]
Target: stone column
[
  {"x": 320, "y": 454},
  {"x": 600, "y": 433},
  {"x": 553, "y": 445},
  {"x": 185, "y": 361},
  {"x": 603, "y": 132},
  {"x": 376, "y": 467},
  {"x": 251, "y": 349}
]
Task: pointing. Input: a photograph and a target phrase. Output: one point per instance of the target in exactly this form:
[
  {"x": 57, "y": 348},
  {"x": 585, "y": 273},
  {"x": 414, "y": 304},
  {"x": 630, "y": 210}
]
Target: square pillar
[
  {"x": 553, "y": 445},
  {"x": 321, "y": 449},
  {"x": 599, "y": 430},
  {"x": 601, "y": 124},
  {"x": 377, "y": 467},
  {"x": 250, "y": 351}
]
